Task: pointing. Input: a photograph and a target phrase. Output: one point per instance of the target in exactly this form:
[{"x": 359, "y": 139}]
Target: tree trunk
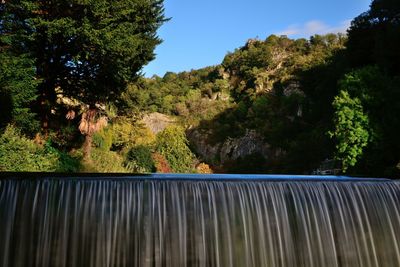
[
  {"x": 87, "y": 147},
  {"x": 44, "y": 114}
]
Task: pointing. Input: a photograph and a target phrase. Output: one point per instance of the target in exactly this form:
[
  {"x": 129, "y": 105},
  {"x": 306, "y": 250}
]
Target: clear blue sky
[{"x": 201, "y": 32}]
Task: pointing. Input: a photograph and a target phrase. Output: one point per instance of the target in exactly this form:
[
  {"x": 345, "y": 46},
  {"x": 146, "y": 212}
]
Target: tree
[
  {"x": 17, "y": 92},
  {"x": 366, "y": 128},
  {"x": 85, "y": 49},
  {"x": 373, "y": 40},
  {"x": 352, "y": 129},
  {"x": 374, "y": 36},
  {"x": 18, "y": 84}
]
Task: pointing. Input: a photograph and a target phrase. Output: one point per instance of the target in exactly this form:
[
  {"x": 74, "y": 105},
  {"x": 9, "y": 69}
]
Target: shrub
[
  {"x": 103, "y": 139},
  {"x": 161, "y": 164},
  {"x": 127, "y": 133},
  {"x": 18, "y": 153},
  {"x": 204, "y": 168},
  {"x": 104, "y": 161},
  {"x": 139, "y": 159},
  {"x": 173, "y": 145}
]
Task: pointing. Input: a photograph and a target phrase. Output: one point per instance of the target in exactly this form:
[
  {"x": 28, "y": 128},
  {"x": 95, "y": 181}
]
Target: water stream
[{"x": 157, "y": 223}]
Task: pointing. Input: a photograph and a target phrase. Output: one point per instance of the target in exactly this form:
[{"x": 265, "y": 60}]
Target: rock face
[
  {"x": 199, "y": 141},
  {"x": 250, "y": 143},
  {"x": 157, "y": 122},
  {"x": 231, "y": 149}
]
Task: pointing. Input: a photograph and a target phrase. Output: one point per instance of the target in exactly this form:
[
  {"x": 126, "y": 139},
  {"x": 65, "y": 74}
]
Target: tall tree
[
  {"x": 373, "y": 48},
  {"x": 374, "y": 36},
  {"x": 18, "y": 84},
  {"x": 87, "y": 49}
]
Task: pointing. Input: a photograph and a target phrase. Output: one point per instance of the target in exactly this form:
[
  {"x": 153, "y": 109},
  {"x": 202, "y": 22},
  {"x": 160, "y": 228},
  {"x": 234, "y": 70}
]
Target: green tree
[
  {"x": 373, "y": 40},
  {"x": 18, "y": 84},
  {"x": 85, "y": 49},
  {"x": 352, "y": 129},
  {"x": 18, "y": 90},
  {"x": 374, "y": 36}
]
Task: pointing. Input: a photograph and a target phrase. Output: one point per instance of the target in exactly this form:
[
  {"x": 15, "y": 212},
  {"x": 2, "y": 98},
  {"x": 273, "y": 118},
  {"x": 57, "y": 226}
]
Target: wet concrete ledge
[{"x": 183, "y": 177}]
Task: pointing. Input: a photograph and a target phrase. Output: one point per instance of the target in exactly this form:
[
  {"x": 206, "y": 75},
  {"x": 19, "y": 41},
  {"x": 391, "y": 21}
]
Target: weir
[{"x": 192, "y": 220}]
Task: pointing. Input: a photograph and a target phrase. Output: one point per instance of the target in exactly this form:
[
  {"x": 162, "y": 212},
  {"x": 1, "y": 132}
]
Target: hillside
[{"x": 246, "y": 114}]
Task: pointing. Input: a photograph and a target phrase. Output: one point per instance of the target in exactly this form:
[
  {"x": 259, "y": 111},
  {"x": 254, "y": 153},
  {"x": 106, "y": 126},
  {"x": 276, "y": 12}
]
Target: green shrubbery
[
  {"x": 173, "y": 145},
  {"x": 105, "y": 161},
  {"x": 169, "y": 152},
  {"x": 18, "y": 153},
  {"x": 139, "y": 159}
]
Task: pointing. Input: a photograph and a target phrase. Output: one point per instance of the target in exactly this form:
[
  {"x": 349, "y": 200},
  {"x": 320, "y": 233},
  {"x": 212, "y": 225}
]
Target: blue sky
[{"x": 201, "y": 32}]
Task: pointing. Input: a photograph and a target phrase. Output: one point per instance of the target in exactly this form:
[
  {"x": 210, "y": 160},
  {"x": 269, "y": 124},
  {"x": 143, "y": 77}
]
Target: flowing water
[{"x": 154, "y": 223}]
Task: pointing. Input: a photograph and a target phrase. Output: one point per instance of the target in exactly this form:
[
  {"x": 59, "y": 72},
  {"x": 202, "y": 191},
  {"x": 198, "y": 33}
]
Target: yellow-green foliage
[
  {"x": 173, "y": 145},
  {"x": 18, "y": 153},
  {"x": 104, "y": 161},
  {"x": 123, "y": 134},
  {"x": 103, "y": 139},
  {"x": 127, "y": 133},
  {"x": 123, "y": 146}
]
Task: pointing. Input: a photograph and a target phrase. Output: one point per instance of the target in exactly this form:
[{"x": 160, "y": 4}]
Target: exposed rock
[
  {"x": 157, "y": 122},
  {"x": 231, "y": 149},
  {"x": 220, "y": 96},
  {"x": 250, "y": 143},
  {"x": 199, "y": 139}
]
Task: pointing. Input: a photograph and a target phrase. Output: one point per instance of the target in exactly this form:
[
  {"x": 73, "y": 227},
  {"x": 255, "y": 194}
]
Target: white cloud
[{"x": 315, "y": 27}]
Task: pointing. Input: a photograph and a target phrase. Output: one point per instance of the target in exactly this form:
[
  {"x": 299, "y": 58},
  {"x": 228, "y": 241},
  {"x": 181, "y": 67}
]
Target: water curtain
[{"x": 240, "y": 222}]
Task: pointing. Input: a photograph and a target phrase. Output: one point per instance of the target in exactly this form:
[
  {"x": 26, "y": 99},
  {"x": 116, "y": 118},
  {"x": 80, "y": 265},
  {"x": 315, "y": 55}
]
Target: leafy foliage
[
  {"x": 173, "y": 145},
  {"x": 187, "y": 94},
  {"x": 161, "y": 164},
  {"x": 204, "y": 168},
  {"x": 104, "y": 162},
  {"x": 89, "y": 49},
  {"x": 139, "y": 159},
  {"x": 17, "y": 92},
  {"x": 352, "y": 129},
  {"x": 18, "y": 84},
  {"x": 374, "y": 37},
  {"x": 366, "y": 91},
  {"x": 128, "y": 133},
  {"x": 18, "y": 153},
  {"x": 103, "y": 139}
]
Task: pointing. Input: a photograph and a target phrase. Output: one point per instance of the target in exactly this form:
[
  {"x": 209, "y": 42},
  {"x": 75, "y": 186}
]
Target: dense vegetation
[{"x": 72, "y": 93}]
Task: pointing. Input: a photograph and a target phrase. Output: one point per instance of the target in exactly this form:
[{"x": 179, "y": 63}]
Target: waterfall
[{"x": 172, "y": 223}]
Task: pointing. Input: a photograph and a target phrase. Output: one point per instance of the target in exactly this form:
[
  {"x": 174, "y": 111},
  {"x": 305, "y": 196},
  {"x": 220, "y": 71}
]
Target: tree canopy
[{"x": 86, "y": 49}]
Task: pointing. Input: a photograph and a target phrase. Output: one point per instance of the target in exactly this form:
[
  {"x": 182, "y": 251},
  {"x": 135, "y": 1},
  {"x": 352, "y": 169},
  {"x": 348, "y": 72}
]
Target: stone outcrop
[
  {"x": 235, "y": 148},
  {"x": 157, "y": 122},
  {"x": 231, "y": 149}
]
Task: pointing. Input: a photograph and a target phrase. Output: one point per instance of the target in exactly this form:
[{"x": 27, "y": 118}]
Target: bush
[
  {"x": 126, "y": 133},
  {"x": 104, "y": 161},
  {"x": 103, "y": 139},
  {"x": 161, "y": 164},
  {"x": 173, "y": 145},
  {"x": 18, "y": 153},
  {"x": 139, "y": 160},
  {"x": 66, "y": 162},
  {"x": 204, "y": 168}
]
